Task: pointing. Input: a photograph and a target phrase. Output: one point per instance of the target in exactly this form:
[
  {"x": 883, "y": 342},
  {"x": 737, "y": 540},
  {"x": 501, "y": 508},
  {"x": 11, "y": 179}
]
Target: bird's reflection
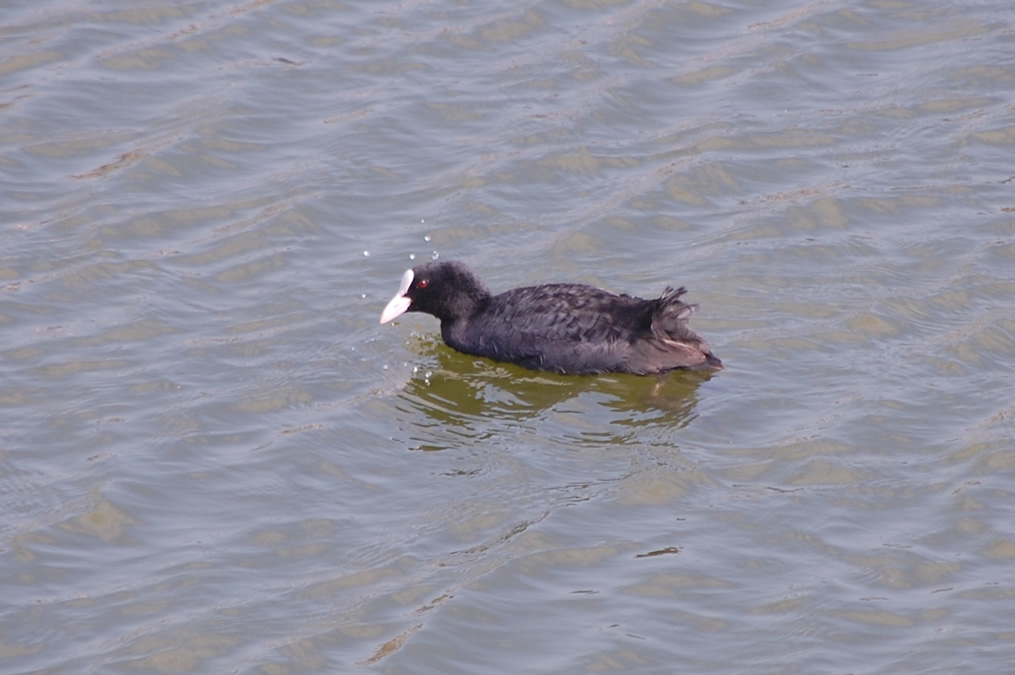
[{"x": 469, "y": 396}]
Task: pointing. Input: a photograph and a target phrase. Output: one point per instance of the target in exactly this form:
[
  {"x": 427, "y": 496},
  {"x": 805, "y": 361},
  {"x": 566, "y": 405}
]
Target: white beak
[{"x": 399, "y": 304}]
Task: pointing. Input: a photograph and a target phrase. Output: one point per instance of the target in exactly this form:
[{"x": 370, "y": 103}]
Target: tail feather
[
  {"x": 669, "y": 325},
  {"x": 670, "y": 316}
]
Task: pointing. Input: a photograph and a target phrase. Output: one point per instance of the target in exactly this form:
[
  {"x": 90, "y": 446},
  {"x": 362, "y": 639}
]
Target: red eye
[{"x": 423, "y": 283}]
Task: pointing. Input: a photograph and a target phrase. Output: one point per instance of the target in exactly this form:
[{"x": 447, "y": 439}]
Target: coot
[{"x": 565, "y": 328}]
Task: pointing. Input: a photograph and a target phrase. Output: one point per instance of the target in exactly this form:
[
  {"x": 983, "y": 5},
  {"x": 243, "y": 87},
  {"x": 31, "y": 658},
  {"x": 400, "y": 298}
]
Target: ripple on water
[{"x": 215, "y": 456}]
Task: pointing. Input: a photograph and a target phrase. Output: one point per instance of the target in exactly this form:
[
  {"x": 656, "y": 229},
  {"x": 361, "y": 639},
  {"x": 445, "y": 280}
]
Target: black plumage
[{"x": 565, "y": 328}]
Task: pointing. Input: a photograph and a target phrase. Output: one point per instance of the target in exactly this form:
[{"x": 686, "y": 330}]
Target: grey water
[{"x": 213, "y": 458}]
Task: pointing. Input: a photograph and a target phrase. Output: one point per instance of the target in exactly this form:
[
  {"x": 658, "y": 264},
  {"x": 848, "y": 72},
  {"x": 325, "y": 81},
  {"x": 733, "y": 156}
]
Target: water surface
[{"x": 215, "y": 460}]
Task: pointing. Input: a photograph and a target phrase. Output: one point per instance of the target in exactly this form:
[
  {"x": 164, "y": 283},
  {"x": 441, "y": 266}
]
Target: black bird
[{"x": 565, "y": 328}]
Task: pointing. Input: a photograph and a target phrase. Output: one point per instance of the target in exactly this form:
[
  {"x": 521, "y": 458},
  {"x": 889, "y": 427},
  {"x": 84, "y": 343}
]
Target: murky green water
[{"x": 214, "y": 460}]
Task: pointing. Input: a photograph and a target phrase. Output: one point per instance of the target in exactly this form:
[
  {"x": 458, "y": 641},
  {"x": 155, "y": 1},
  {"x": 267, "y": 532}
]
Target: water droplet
[
  {"x": 363, "y": 295},
  {"x": 366, "y": 254},
  {"x": 385, "y": 367},
  {"x": 426, "y": 238},
  {"x": 435, "y": 255},
  {"x": 412, "y": 256},
  {"x": 428, "y": 374}
]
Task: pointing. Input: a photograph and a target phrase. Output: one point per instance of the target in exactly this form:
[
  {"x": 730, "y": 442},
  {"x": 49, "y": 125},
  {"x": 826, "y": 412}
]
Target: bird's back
[{"x": 574, "y": 328}]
